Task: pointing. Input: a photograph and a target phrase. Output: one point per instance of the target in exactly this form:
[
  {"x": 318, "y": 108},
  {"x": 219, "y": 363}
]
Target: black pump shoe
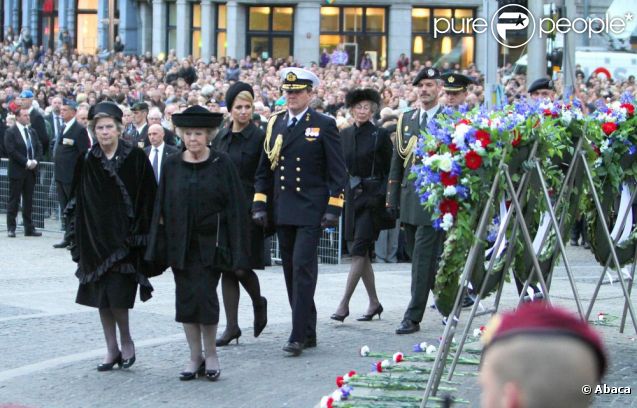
[
  {"x": 260, "y": 317},
  {"x": 368, "y": 317},
  {"x": 213, "y": 375},
  {"x": 188, "y": 375},
  {"x": 338, "y": 317},
  {"x": 225, "y": 339},
  {"x": 128, "y": 362},
  {"x": 109, "y": 366}
]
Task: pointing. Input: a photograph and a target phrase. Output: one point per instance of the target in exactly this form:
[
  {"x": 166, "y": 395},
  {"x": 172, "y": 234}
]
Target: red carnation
[
  {"x": 629, "y": 108},
  {"x": 547, "y": 112},
  {"x": 431, "y": 153},
  {"x": 379, "y": 367},
  {"x": 484, "y": 137},
  {"x": 472, "y": 160},
  {"x": 596, "y": 150},
  {"x": 447, "y": 179},
  {"x": 340, "y": 381},
  {"x": 453, "y": 148},
  {"x": 464, "y": 121},
  {"x": 351, "y": 373},
  {"x": 399, "y": 358},
  {"x": 330, "y": 402},
  {"x": 449, "y": 205},
  {"x": 609, "y": 127},
  {"x": 517, "y": 138}
]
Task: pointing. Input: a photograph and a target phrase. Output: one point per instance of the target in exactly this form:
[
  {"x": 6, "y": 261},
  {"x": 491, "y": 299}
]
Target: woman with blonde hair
[{"x": 243, "y": 142}]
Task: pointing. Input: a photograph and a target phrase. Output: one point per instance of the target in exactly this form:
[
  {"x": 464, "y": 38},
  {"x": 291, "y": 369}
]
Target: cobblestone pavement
[{"x": 50, "y": 345}]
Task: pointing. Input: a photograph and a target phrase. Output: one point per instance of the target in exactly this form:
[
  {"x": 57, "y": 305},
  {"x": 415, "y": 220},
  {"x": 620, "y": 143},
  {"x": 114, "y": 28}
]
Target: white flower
[
  {"x": 601, "y": 317},
  {"x": 364, "y": 352},
  {"x": 450, "y": 191},
  {"x": 385, "y": 363},
  {"x": 495, "y": 123},
  {"x": 447, "y": 223},
  {"x": 459, "y": 134},
  {"x": 598, "y": 162},
  {"x": 431, "y": 349},
  {"x": 397, "y": 357},
  {"x": 605, "y": 145},
  {"x": 567, "y": 116},
  {"x": 337, "y": 395},
  {"x": 477, "y": 332},
  {"x": 445, "y": 161},
  {"x": 484, "y": 123},
  {"x": 423, "y": 345}
]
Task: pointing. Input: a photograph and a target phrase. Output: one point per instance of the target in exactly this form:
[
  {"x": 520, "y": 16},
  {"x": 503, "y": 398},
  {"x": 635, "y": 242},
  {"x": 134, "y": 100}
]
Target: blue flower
[{"x": 437, "y": 224}]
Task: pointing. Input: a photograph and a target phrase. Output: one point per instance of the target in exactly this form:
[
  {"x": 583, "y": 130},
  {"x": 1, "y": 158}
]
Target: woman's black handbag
[{"x": 222, "y": 259}]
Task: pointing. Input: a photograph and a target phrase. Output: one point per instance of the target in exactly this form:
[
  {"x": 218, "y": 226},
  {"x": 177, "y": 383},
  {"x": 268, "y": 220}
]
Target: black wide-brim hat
[
  {"x": 542, "y": 83},
  {"x": 197, "y": 117},
  {"x": 108, "y": 108},
  {"x": 359, "y": 95},
  {"x": 234, "y": 90}
]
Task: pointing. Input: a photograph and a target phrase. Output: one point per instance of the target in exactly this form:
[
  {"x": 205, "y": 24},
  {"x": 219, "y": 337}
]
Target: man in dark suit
[
  {"x": 423, "y": 241},
  {"x": 304, "y": 167},
  {"x": 56, "y": 122},
  {"x": 158, "y": 150},
  {"x": 37, "y": 120},
  {"x": 23, "y": 148},
  {"x": 154, "y": 118},
  {"x": 72, "y": 142},
  {"x": 140, "y": 112}
]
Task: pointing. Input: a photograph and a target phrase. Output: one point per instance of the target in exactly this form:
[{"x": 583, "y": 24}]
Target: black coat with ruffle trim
[{"x": 110, "y": 213}]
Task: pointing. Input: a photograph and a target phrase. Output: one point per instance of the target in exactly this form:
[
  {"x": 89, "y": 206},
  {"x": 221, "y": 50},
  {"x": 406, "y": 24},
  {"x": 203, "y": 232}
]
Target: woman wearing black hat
[
  {"x": 109, "y": 212},
  {"x": 200, "y": 214},
  {"x": 243, "y": 142},
  {"x": 367, "y": 150}
]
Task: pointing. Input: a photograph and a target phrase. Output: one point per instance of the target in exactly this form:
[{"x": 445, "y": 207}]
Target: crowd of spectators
[{"x": 171, "y": 84}]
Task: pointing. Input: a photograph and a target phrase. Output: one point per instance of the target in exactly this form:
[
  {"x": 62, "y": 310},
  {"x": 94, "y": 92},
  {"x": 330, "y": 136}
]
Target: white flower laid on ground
[
  {"x": 364, "y": 352},
  {"x": 601, "y": 316}
]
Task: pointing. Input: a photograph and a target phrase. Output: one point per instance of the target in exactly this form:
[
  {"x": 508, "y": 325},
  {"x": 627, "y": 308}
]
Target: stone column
[
  {"x": 61, "y": 19},
  {"x": 208, "y": 26},
  {"x": 16, "y": 17},
  {"x": 159, "y": 27},
  {"x": 102, "y": 24},
  {"x": 146, "y": 27},
  {"x": 8, "y": 14},
  {"x": 34, "y": 21},
  {"x": 128, "y": 25},
  {"x": 307, "y": 25},
  {"x": 399, "y": 33},
  {"x": 236, "y": 31},
  {"x": 184, "y": 22},
  {"x": 70, "y": 21},
  {"x": 26, "y": 15}
]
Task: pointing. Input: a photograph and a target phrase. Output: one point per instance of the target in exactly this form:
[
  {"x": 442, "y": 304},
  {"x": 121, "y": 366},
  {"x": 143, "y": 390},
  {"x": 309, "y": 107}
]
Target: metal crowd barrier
[{"x": 46, "y": 214}]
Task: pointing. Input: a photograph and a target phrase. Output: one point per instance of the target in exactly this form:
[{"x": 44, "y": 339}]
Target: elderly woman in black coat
[
  {"x": 367, "y": 149},
  {"x": 243, "y": 142},
  {"x": 109, "y": 217},
  {"x": 201, "y": 216}
]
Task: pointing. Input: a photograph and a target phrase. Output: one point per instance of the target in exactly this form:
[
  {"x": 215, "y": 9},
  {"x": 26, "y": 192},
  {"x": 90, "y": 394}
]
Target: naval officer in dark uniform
[
  {"x": 423, "y": 241},
  {"x": 304, "y": 167}
]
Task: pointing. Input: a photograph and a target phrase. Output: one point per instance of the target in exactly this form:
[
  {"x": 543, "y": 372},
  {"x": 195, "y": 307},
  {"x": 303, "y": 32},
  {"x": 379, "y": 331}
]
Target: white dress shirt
[
  {"x": 430, "y": 113},
  {"x": 160, "y": 152},
  {"x": 298, "y": 117}
]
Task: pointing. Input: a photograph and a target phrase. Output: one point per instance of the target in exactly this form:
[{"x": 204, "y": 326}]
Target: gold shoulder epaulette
[
  {"x": 406, "y": 152},
  {"x": 274, "y": 152}
]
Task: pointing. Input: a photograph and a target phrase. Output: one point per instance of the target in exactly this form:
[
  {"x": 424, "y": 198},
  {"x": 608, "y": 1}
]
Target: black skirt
[{"x": 114, "y": 290}]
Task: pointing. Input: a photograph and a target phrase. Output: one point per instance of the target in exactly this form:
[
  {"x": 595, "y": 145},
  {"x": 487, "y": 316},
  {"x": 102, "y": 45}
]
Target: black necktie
[
  {"x": 423, "y": 121},
  {"x": 291, "y": 125},
  {"x": 156, "y": 164},
  {"x": 29, "y": 145}
]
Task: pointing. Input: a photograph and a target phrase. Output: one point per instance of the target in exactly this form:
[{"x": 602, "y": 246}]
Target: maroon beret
[{"x": 540, "y": 318}]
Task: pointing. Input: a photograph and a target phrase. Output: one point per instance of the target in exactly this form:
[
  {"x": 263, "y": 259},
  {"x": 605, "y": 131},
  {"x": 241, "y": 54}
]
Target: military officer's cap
[
  {"x": 107, "y": 108},
  {"x": 197, "y": 117},
  {"x": 139, "y": 106},
  {"x": 456, "y": 82},
  {"x": 70, "y": 103},
  {"x": 359, "y": 95},
  {"x": 296, "y": 79},
  {"x": 427, "y": 73},
  {"x": 234, "y": 90},
  {"x": 540, "y": 319},
  {"x": 542, "y": 83}
]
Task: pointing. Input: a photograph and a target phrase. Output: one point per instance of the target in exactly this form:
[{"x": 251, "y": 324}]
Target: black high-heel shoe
[
  {"x": 128, "y": 362},
  {"x": 224, "y": 340},
  {"x": 213, "y": 375},
  {"x": 338, "y": 317},
  {"x": 260, "y": 316},
  {"x": 188, "y": 375},
  {"x": 368, "y": 317},
  {"x": 109, "y": 366}
]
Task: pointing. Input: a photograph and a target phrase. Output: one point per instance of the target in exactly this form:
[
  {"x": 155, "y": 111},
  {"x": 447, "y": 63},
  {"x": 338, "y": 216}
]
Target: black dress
[
  {"x": 192, "y": 197},
  {"x": 110, "y": 212},
  {"x": 244, "y": 149},
  {"x": 367, "y": 150}
]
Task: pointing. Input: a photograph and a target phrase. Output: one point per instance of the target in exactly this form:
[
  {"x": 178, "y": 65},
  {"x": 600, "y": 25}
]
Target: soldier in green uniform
[{"x": 423, "y": 241}]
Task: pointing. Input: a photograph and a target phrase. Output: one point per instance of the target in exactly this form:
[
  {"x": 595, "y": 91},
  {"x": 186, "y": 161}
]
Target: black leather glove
[
  {"x": 393, "y": 212},
  {"x": 260, "y": 218},
  {"x": 329, "y": 221}
]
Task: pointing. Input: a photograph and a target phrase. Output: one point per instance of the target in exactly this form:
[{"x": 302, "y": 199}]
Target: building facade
[{"x": 381, "y": 29}]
